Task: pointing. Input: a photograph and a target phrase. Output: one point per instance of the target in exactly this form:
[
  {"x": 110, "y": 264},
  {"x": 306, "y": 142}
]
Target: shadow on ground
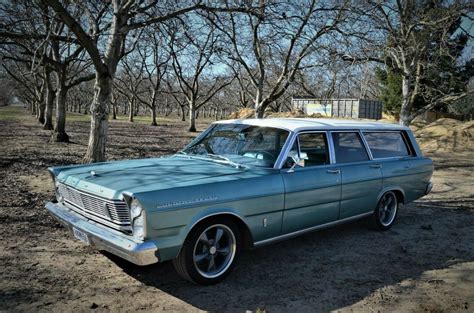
[{"x": 326, "y": 270}]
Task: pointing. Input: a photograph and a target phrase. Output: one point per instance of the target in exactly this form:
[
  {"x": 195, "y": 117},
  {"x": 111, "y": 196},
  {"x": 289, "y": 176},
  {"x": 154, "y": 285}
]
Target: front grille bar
[{"x": 113, "y": 213}]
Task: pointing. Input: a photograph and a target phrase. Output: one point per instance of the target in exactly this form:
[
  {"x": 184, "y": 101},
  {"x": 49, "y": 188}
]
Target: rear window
[
  {"x": 348, "y": 147},
  {"x": 386, "y": 144}
]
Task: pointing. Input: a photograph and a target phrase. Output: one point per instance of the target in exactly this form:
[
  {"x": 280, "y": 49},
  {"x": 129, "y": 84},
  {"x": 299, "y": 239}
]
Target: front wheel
[
  {"x": 209, "y": 253},
  {"x": 386, "y": 211}
]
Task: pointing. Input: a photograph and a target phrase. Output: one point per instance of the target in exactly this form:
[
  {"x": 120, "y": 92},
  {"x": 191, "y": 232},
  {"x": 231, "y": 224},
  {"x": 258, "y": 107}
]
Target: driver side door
[{"x": 312, "y": 190}]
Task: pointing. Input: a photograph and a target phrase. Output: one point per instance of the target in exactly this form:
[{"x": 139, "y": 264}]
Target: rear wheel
[
  {"x": 209, "y": 253},
  {"x": 386, "y": 212}
]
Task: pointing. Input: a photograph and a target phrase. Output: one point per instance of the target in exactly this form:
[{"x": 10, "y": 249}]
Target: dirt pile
[
  {"x": 445, "y": 135},
  {"x": 242, "y": 113}
]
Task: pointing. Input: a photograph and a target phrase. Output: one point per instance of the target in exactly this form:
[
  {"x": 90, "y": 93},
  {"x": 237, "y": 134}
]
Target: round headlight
[
  {"x": 135, "y": 209},
  {"x": 59, "y": 197}
]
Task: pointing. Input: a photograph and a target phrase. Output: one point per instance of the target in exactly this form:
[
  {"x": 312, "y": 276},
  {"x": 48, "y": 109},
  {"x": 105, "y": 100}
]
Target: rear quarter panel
[{"x": 421, "y": 171}]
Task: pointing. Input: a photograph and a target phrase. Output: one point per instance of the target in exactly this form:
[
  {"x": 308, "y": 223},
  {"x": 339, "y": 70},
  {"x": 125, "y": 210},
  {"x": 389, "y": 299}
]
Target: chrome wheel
[
  {"x": 214, "y": 251},
  {"x": 387, "y": 209}
]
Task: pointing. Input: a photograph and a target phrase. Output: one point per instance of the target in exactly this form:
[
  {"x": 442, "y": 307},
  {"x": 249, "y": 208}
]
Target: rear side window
[
  {"x": 348, "y": 147},
  {"x": 387, "y": 144}
]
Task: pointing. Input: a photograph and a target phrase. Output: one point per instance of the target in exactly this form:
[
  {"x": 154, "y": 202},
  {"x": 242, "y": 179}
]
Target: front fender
[
  {"x": 213, "y": 212},
  {"x": 171, "y": 240}
]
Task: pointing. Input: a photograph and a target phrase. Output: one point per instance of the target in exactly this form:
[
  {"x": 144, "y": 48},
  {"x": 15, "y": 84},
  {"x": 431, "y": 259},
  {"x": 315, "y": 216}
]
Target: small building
[{"x": 351, "y": 108}]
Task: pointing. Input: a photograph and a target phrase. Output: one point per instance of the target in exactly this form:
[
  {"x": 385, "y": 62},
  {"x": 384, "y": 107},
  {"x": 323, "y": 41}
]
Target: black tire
[
  {"x": 384, "y": 217},
  {"x": 230, "y": 240}
]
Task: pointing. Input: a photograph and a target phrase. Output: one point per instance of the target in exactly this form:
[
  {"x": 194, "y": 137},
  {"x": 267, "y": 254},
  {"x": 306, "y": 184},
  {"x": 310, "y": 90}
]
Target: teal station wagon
[{"x": 241, "y": 184}]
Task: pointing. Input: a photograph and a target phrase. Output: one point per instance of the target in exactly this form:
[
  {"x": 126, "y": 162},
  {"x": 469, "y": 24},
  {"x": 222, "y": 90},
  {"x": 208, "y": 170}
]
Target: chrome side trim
[{"x": 307, "y": 230}]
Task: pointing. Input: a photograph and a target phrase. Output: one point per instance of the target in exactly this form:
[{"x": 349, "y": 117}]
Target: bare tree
[
  {"x": 125, "y": 16},
  {"x": 414, "y": 39},
  {"x": 280, "y": 38},
  {"x": 129, "y": 82},
  {"x": 193, "y": 51},
  {"x": 155, "y": 58}
]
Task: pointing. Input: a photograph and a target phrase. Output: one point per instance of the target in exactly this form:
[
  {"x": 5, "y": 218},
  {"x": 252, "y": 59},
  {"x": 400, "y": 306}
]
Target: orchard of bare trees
[{"x": 199, "y": 58}]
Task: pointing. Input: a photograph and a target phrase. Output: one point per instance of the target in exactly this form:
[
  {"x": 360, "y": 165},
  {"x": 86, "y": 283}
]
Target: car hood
[{"x": 111, "y": 179}]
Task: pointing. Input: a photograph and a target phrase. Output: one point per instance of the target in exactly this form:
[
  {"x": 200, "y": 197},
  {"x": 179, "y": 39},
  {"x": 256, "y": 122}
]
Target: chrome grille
[{"x": 114, "y": 213}]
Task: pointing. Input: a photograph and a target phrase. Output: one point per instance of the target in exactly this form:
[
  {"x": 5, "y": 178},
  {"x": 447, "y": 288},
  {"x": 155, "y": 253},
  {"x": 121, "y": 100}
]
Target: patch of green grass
[
  {"x": 77, "y": 117},
  {"x": 9, "y": 113},
  {"x": 17, "y": 112}
]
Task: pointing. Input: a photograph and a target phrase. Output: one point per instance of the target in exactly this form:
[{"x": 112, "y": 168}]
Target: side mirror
[{"x": 296, "y": 160}]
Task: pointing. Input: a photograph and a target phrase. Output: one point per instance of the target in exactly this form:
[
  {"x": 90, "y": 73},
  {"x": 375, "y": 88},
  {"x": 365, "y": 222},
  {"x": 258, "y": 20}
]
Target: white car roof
[{"x": 299, "y": 124}]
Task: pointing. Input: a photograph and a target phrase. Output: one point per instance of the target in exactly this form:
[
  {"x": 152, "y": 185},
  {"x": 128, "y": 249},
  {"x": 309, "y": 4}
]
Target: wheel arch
[
  {"x": 223, "y": 213},
  {"x": 399, "y": 192}
]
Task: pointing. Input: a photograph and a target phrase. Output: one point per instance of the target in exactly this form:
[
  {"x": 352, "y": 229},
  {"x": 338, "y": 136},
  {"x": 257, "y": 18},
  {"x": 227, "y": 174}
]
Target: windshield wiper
[
  {"x": 220, "y": 158},
  {"x": 223, "y": 158}
]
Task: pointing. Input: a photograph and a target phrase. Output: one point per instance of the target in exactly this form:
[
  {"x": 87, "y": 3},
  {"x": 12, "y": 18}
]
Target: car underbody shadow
[{"x": 324, "y": 270}]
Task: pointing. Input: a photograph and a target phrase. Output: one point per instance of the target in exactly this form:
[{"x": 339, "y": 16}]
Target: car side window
[
  {"x": 348, "y": 147},
  {"x": 314, "y": 149},
  {"x": 387, "y": 144}
]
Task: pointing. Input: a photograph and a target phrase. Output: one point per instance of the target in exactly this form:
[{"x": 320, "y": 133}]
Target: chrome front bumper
[{"x": 106, "y": 239}]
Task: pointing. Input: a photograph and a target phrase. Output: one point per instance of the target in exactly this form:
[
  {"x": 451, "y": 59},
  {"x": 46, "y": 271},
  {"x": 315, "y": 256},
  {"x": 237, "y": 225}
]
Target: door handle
[
  {"x": 334, "y": 171},
  {"x": 376, "y": 165}
]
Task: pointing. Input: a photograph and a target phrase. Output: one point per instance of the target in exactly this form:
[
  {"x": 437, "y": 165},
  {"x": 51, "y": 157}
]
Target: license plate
[{"x": 81, "y": 236}]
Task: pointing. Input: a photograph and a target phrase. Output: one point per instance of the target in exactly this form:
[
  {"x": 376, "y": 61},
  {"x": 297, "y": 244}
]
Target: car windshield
[{"x": 241, "y": 144}]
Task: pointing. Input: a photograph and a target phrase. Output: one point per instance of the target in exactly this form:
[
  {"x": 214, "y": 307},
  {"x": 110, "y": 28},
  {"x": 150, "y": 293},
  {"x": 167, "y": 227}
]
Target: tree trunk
[
  {"x": 114, "y": 111},
  {"x": 183, "y": 114},
  {"x": 405, "y": 111},
  {"x": 259, "y": 106},
  {"x": 192, "y": 118},
  {"x": 259, "y": 111},
  {"x": 48, "y": 122},
  {"x": 41, "y": 109},
  {"x": 99, "y": 119},
  {"x": 130, "y": 111},
  {"x": 60, "y": 128},
  {"x": 153, "y": 115},
  {"x": 33, "y": 107}
]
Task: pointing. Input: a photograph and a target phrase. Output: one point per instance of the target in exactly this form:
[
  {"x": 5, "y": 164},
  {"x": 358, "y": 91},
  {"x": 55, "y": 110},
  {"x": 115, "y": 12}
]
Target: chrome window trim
[
  {"x": 295, "y": 137},
  {"x": 366, "y": 144},
  {"x": 284, "y": 151}
]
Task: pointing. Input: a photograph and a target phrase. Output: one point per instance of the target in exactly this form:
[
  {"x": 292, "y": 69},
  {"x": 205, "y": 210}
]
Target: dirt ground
[{"x": 424, "y": 264}]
